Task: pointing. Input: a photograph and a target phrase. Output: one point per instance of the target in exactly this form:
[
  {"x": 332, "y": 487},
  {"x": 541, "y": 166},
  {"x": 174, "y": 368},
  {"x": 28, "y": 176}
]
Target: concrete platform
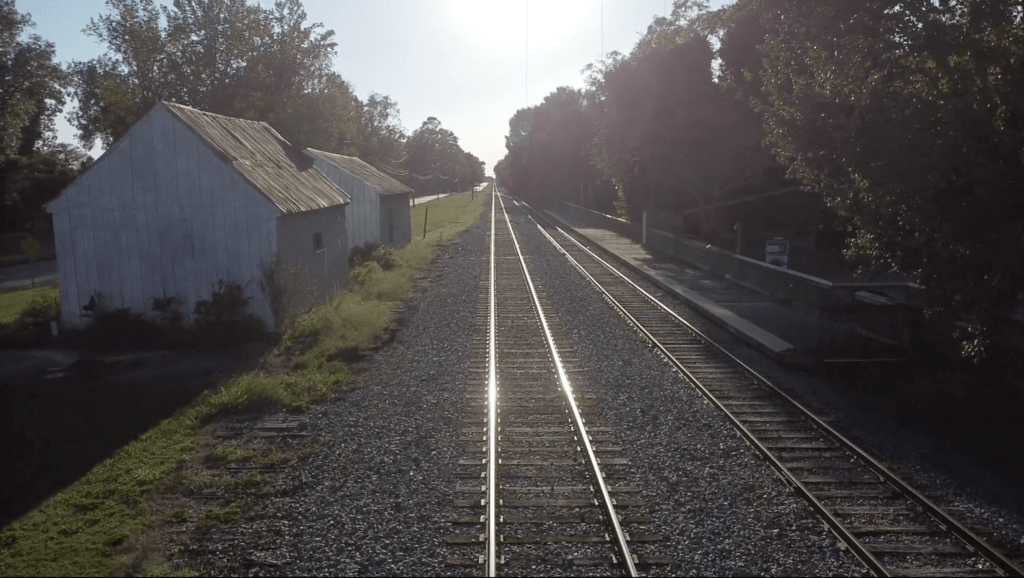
[{"x": 788, "y": 332}]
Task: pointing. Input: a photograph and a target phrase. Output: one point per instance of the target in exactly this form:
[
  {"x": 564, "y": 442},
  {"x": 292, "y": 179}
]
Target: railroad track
[
  {"x": 544, "y": 488},
  {"x": 890, "y": 527}
]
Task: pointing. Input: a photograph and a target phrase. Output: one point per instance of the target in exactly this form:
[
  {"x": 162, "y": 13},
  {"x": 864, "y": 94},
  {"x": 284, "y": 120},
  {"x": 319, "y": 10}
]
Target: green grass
[
  {"x": 354, "y": 318},
  {"x": 77, "y": 531},
  {"x": 81, "y": 530},
  {"x": 14, "y": 302},
  {"x": 259, "y": 391}
]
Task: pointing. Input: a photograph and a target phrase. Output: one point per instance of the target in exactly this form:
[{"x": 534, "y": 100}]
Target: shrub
[
  {"x": 224, "y": 318},
  {"x": 290, "y": 290},
  {"x": 115, "y": 329},
  {"x": 385, "y": 257},
  {"x": 42, "y": 309},
  {"x": 362, "y": 275},
  {"x": 32, "y": 326},
  {"x": 361, "y": 254},
  {"x": 170, "y": 310}
]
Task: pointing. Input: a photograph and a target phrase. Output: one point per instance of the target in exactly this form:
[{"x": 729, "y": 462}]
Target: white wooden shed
[
  {"x": 379, "y": 212},
  {"x": 187, "y": 198}
]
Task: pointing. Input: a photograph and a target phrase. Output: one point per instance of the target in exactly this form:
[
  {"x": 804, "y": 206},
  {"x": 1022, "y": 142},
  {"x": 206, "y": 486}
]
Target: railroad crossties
[
  {"x": 403, "y": 483},
  {"x": 556, "y": 479},
  {"x": 888, "y": 526},
  {"x": 702, "y": 464}
]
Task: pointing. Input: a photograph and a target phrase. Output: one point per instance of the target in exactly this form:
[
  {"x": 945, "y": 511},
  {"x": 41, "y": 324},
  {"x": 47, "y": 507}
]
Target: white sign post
[{"x": 776, "y": 252}]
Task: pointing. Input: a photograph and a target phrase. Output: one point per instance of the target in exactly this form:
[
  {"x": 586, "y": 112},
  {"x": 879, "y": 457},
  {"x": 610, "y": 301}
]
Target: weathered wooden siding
[
  {"x": 160, "y": 214},
  {"x": 363, "y": 214},
  {"x": 396, "y": 227},
  {"x": 328, "y": 266}
]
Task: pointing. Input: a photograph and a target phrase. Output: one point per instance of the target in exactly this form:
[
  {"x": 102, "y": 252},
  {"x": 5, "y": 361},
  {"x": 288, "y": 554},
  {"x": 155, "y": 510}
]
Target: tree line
[
  {"x": 34, "y": 167},
  {"x": 908, "y": 117},
  {"x": 229, "y": 57}
]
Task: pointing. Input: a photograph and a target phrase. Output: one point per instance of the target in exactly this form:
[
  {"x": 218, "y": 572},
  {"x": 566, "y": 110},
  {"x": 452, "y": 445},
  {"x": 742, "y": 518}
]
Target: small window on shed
[{"x": 318, "y": 241}]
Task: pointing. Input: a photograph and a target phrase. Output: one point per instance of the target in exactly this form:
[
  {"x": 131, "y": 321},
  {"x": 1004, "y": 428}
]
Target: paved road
[
  {"x": 420, "y": 200},
  {"x": 28, "y": 274}
]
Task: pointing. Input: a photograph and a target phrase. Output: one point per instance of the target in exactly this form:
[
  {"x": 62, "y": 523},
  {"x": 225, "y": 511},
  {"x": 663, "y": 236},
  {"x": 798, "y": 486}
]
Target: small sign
[{"x": 776, "y": 252}]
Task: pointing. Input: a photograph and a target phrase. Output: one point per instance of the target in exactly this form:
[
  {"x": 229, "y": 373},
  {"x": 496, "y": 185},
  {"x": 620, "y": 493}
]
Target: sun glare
[{"x": 550, "y": 22}]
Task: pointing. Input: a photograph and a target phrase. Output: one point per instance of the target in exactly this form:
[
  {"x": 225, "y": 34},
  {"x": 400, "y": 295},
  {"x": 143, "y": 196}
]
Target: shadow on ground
[
  {"x": 58, "y": 423},
  {"x": 970, "y": 417}
]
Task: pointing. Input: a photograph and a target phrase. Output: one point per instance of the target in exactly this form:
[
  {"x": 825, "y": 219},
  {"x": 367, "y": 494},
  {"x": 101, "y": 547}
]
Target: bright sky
[{"x": 470, "y": 63}]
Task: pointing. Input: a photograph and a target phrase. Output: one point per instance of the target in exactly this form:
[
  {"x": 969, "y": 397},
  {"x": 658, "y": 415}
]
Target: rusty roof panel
[
  {"x": 276, "y": 168},
  {"x": 362, "y": 170}
]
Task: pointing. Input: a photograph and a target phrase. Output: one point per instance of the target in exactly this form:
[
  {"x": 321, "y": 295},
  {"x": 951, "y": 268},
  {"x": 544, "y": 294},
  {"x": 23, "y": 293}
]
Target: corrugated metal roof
[
  {"x": 265, "y": 159},
  {"x": 361, "y": 169}
]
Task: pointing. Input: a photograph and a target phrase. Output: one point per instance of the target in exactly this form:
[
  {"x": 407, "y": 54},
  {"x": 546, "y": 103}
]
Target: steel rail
[
  {"x": 492, "y": 421},
  {"x": 859, "y": 551},
  {"x": 976, "y": 543},
  {"x": 613, "y": 519}
]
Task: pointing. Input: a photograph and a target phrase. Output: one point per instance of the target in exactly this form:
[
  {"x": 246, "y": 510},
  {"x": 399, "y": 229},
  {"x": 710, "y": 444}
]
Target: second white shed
[{"x": 379, "y": 212}]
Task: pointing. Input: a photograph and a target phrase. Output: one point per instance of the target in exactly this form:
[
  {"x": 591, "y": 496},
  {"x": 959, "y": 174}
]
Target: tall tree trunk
[{"x": 32, "y": 132}]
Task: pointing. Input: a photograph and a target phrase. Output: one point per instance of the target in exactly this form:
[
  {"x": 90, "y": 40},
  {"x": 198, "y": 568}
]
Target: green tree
[
  {"x": 210, "y": 46},
  {"x": 31, "y": 96},
  {"x": 381, "y": 136},
  {"x": 909, "y": 117},
  {"x": 37, "y": 178},
  {"x": 433, "y": 155},
  {"x": 670, "y": 135},
  {"x": 514, "y": 169},
  {"x": 223, "y": 56},
  {"x": 31, "y": 83},
  {"x": 288, "y": 81},
  {"x": 657, "y": 123},
  {"x": 115, "y": 89},
  {"x": 469, "y": 172},
  {"x": 327, "y": 119},
  {"x": 559, "y": 144}
]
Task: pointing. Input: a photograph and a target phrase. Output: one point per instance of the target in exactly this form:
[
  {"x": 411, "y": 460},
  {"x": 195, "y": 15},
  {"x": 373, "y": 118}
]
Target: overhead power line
[{"x": 389, "y": 169}]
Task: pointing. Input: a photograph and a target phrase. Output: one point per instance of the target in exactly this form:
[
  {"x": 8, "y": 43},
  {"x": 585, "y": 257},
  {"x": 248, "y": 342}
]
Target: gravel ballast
[
  {"x": 720, "y": 508},
  {"x": 377, "y": 496},
  {"x": 952, "y": 480}
]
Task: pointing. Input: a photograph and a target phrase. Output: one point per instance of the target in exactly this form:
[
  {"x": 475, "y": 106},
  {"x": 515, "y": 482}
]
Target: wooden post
[
  {"x": 425, "y": 213},
  {"x": 643, "y": 235}
]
